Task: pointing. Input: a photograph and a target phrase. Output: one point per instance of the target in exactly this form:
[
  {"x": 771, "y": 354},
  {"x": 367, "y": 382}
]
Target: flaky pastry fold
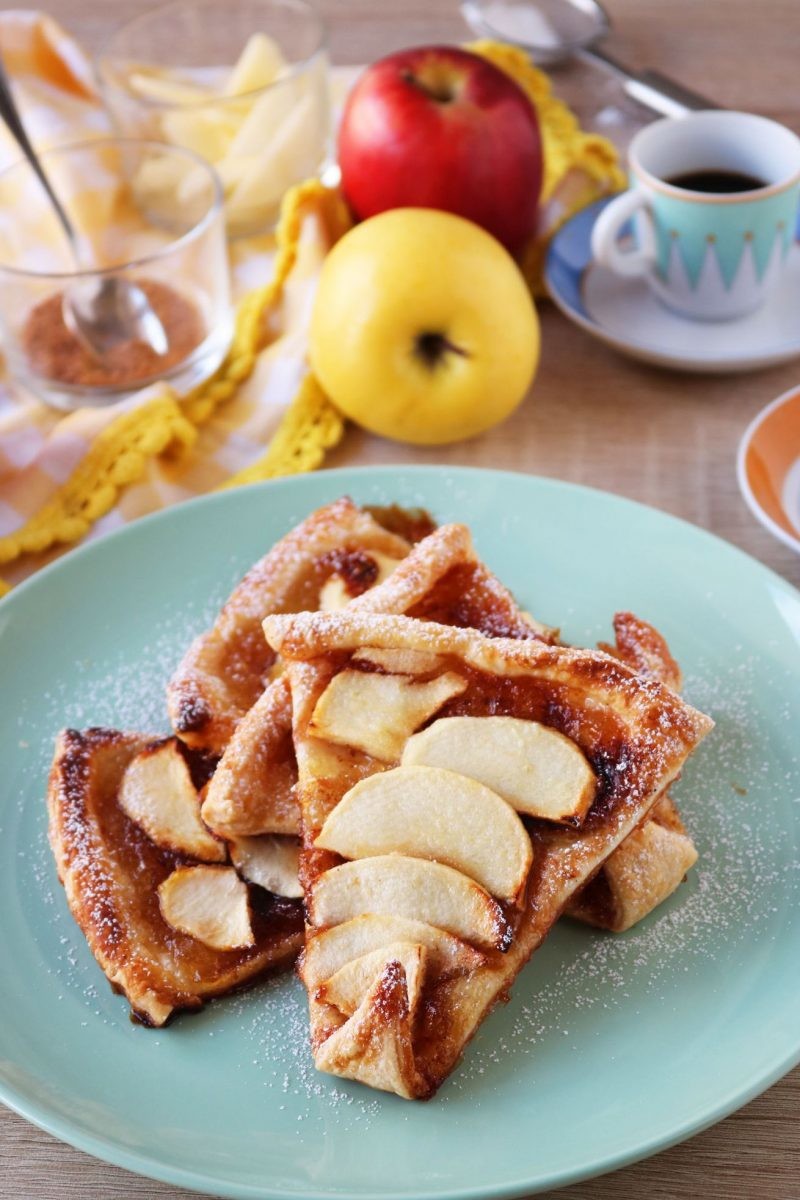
[{"x": 635, "y": 733}]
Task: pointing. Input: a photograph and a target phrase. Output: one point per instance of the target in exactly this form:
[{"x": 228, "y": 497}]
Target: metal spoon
[
  {"x": 554, "y": 31},
  {"x": 104, "y": 311}
]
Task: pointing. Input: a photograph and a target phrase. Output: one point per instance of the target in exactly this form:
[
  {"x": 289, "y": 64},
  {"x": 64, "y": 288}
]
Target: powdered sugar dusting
[
  {"x": 127, "y": 692},
  {"x": 276, "y": 1032},
  {"x": 737, "y": 819},
  {"x": 733, "y": 798}
]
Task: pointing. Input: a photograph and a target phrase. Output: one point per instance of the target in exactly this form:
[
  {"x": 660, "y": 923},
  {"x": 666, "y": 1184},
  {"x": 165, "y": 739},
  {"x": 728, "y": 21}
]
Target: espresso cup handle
[{"x": 606, "y": 231}]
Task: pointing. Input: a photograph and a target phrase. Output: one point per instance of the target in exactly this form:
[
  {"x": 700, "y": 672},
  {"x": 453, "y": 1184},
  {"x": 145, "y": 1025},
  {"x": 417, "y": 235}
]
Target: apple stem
[
  {"x": 432, "y": 348},
  {"x": 438, "y": 89}
]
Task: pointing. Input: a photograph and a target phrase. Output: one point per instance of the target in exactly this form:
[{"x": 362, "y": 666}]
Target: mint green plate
[{"x": 611, "y": 1047}]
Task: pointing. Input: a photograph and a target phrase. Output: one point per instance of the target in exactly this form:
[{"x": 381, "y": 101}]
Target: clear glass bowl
[
  {"x": 243, "y": 83},
  {"x": 129, "y": 225}
]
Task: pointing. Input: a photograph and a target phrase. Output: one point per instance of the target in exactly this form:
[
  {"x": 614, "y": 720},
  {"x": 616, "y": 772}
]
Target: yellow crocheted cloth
[
  {"x": 158, "y": 444},
  {"x": 168, "y": 424}
]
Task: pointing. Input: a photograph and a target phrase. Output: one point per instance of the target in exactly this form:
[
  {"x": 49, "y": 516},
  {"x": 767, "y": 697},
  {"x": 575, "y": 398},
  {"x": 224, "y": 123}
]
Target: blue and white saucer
[{"x": 625, "y": 314}]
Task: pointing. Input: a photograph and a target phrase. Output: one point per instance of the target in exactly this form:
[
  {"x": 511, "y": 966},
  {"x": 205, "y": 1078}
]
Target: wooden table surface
[{"x": 594, "y": 418}]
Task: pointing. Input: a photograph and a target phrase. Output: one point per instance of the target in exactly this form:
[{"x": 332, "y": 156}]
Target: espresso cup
[{"x": 707, "y": 254}]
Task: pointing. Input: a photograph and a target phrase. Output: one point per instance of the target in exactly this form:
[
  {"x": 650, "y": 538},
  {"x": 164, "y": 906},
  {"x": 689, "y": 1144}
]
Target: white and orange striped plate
[{"x": 768, "y": 467}]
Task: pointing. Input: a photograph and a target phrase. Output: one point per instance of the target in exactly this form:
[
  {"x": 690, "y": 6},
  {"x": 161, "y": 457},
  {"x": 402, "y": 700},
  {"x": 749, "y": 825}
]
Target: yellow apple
[{"x": 423, "y": 328}]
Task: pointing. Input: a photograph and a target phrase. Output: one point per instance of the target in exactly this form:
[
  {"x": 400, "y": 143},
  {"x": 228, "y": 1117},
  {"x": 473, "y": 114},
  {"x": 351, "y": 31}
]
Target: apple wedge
[
  {"x": 266, "y": 115},
  {"x": 430, "y": 812},
  {"x": 399, "y": 662},
  {"x": 539, "y": 771},
  {"x": 350, "y": 984},
  {"x": 208, "y": 903},
  {"x": 158, "y": 794},
  {"x": 410, "y": 887},
  {"x": 334, "y": 594},
  {"x": 259, "y": 64},
  {"x": 203, "y": 129},
  {"x": 167, "y": 88},
  {"x": 270, "y": 862},
  {"x": 378, "y": 713},
  {"x": 288, "y": 150},
  {"x": 328, "y": 950}
]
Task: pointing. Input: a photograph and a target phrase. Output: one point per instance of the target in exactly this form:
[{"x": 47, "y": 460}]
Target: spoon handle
[
  {"x": 10, "y": 114},
  {"x": 655, "y": 91},
  {"x": 650, "y": 85}
]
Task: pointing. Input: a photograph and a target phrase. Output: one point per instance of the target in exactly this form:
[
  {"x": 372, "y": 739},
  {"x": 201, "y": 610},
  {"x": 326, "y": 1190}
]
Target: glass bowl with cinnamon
[{"x": 144, "y": 211}]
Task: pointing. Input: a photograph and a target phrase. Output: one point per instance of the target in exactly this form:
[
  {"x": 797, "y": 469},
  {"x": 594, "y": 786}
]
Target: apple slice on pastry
[
  {"x": 410, "y": 887},
  {"x": 429, "y": 812},
  {"x": 158, "y": 794},
  {"x": 328, "y": 950},
  {"x": 399, "y": 662},
  {"x": 208, "y": 903},
  {"x": 377, "y": 713},
  {"x": 270, "y": 862},
  {"x": 536, "y": 769},
  {"x": 347, "y": 988}
]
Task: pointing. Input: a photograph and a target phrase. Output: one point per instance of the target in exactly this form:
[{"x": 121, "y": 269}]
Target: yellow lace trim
[
  {"x": 310, "y": 427},
  {"x": 566, "y": 144},
  {"x": 251, "y": 334},
  {"x": 117, "y": 457}
]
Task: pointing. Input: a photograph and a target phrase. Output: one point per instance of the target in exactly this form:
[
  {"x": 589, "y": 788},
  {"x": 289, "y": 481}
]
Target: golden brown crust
[
  {"x": 661, "y": 714},
  {"x": 375, "y": 1046},
  {"x": 641, "y": 873},
  {"x": 225, "y": 670},
  {"x": 640, "y": 645},
  {"x": 111, "y": 871},
  {"x": 443, "y": 580},
  {"x": 649, "y": 866},
  {"x": 636, "y": 734},
  {"x": 252, "y": 790}
]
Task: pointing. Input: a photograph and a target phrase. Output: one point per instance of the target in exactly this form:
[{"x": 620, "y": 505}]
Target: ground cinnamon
[{"x": 54, "y": 352}]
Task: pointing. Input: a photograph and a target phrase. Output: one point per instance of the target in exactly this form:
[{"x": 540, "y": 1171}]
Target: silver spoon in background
[
  {"x": 102, "y": 312},
  {"x": 555, "y": 31}
]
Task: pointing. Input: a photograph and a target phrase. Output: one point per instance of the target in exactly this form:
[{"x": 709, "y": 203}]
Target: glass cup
[
  {"x": 128, "y": 225},
  {"x": 242, "y": 83}
]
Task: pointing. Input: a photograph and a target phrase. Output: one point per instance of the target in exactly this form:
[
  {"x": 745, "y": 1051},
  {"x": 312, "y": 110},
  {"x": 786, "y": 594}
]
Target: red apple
[{"x": 438, "y": 127}]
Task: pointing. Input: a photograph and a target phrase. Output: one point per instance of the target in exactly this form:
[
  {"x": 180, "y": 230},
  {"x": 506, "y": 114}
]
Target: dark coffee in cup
[{"x": 716, "y": 181}]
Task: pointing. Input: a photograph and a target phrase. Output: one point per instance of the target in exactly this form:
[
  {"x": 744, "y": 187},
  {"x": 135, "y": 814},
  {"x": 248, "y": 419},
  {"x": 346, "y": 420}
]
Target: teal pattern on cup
[
  {"x": 727, "y": 232},
  {"x": 708, "y": 255}
]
